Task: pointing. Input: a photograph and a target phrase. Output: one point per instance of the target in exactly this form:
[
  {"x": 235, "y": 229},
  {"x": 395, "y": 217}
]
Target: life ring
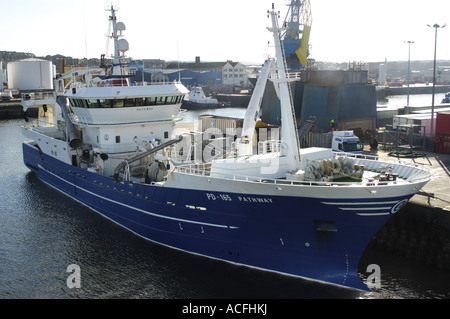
[{"x": 437, "y": 139}]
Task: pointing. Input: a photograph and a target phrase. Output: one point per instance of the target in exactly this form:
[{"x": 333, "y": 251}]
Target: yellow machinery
[{"x": 296, "y": 38}]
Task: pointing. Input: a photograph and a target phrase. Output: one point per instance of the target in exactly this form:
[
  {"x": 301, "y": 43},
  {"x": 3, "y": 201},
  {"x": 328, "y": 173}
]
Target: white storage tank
[
  {"x": 382, "y": 74},
  {"x": 30, "y": 74},
  {"x": 2, "y": 78}
]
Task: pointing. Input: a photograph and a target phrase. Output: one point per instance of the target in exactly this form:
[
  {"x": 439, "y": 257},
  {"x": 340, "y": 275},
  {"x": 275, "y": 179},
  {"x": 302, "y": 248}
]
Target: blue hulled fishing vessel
[{"x": 303, "y": 212}]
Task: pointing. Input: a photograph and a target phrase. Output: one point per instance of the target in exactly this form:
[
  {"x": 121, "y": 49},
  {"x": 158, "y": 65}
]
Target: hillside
[{"x": 11, "y": 56}]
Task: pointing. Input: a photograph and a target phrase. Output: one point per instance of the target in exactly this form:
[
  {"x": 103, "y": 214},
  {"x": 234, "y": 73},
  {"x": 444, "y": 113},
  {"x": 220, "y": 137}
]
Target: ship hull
[
  {"x": 192, "y": 106},
  {"x": 300, "y": 236}
]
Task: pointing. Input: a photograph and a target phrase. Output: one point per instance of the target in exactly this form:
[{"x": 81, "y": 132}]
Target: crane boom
[{"x": 296, "y": 38}]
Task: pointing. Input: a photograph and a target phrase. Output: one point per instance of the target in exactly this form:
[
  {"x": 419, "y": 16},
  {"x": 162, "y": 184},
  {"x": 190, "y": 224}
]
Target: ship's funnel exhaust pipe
[{"x": 74, "y": 140}]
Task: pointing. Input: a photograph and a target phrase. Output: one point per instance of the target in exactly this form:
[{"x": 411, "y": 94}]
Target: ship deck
[
  {"x": 435, "y": 193},
  {"x": 374, "y": 169}
]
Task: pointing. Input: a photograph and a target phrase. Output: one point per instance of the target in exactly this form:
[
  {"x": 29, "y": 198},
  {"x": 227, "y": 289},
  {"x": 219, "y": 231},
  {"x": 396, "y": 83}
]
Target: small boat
[
  {"x": 446, "y": 98},
  {"x": 197, "y": 100}
]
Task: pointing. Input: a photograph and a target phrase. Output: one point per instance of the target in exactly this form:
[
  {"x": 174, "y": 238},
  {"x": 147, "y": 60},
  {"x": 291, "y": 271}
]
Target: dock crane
[{"x": 298, "y": 22}]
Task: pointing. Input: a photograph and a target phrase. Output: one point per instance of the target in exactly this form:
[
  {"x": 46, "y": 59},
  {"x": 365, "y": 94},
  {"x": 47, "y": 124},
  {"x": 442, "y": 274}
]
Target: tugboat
[
  {"x": 197, "y": 100},
  {"x": 308, "y": 213}
]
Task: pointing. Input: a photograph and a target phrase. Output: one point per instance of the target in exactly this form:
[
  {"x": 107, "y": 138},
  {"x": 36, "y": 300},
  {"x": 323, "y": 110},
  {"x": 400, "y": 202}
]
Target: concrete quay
[
  {"x": 420, "y": 232},
  {"x": 437, "y": 192},
  {"x": 413, "y": 89}
]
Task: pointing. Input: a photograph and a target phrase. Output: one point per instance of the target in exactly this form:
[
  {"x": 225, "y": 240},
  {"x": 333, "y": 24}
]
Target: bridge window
[
  {"x": 161, "y": 100},
  {"x": 93, "y": 103},
  {"x": 118, "y": 103},
  {"x": 130, "y": 102},
  {"x": 140, "y": 102},
  {"x": 105, "y": 103},
  {"x": 150, "y": 101}
]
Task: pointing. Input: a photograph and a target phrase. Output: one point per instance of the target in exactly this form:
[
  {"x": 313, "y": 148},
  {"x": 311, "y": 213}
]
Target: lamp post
[
  {"x": 409, "y": 66},
  {"x": 436, "y": 27}
]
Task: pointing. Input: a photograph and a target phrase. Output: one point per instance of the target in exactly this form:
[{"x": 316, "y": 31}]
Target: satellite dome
[
  {"x": 120, "y": 26},
  {"x": 123, "y": 45}
]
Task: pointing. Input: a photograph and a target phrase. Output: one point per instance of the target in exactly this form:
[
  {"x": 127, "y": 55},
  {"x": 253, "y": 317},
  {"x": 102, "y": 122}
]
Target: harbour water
[
  {"x": 42, "y": 232},
  {"x": 400, "y": 101}
]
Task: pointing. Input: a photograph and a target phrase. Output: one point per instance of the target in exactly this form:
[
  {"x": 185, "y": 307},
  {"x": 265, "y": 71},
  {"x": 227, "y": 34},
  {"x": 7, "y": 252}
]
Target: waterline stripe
[
  {"x": 138, "y": 209},
  {"x": 358, "y": 203},
  {"x": 364, "y": 208},
  {"x": 373, "y": 214}
]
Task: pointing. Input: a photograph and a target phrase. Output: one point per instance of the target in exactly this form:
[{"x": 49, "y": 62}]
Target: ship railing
[
  {"x": 31, "y": 96},
  {"x": 146, "y": 83},
  {"x": 269, "y": 146},
  {"x": 194, "y": 169},
  {"x": 36, "y": 124},
  {"x": 202, "y": 169},
  {"x": 407, "y": 170},
  {"x": 290, "y": 77},
  {"x": 50, "y": 130},
  {"x": 412, "y": 173}
]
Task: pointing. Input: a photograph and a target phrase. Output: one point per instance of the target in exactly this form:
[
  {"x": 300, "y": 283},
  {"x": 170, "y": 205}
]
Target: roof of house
[{"x": 195, "y": 65}]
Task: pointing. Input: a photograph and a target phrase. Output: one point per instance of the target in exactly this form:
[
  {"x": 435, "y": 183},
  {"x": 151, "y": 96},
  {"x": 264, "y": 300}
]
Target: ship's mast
[
  {"x": 120, "y": 45},
  {"x": 114, "y": 36},
  {"x": 289, "y": 135}
]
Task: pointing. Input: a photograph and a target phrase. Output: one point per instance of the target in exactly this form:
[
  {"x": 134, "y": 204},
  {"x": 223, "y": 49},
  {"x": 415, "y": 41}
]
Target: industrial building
[{"x": 345, "y": 97}]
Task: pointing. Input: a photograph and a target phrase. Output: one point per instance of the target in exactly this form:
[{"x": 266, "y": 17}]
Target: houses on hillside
[{"x": 229, "y": 73}]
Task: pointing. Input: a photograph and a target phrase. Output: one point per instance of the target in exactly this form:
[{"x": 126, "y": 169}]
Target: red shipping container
[
  {"x": 442, "y": 143},
  {"x": 443, "y": 123}
]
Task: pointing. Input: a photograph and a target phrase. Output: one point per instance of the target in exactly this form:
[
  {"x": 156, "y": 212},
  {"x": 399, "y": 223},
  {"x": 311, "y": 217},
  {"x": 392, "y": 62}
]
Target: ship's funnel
[{"x": 74, "y": 140}]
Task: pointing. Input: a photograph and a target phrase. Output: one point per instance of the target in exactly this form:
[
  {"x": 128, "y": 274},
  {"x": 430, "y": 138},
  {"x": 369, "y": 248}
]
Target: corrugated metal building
[{"x": 343, "y": 96}]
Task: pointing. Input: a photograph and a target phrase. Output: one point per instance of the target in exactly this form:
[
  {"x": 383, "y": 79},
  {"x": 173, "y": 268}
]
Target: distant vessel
[
  {"x": 446, "y": 99},
  {"x": 303, "y": 212},
  {"x": 197, "y": 100}
]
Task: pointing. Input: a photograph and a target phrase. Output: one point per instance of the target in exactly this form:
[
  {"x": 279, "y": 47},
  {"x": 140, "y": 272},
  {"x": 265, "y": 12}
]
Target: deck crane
[{"x": 296, "y": 38}]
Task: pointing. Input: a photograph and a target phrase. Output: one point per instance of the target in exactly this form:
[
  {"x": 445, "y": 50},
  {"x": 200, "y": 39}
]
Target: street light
[
  {"x": 409, "y": 66},
  {"x": 436, "y": 27}
]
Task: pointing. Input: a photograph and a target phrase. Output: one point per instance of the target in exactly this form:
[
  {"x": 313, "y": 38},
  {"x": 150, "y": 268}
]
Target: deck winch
[{"x": 332, "y": 169}]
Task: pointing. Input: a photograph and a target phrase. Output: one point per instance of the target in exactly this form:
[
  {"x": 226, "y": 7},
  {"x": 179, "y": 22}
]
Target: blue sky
[{"x": 342, "y": 31}]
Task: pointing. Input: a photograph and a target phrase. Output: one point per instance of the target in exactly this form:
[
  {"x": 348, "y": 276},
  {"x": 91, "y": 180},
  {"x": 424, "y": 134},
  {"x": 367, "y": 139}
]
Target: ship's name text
[{"x": 248, "y": 199}]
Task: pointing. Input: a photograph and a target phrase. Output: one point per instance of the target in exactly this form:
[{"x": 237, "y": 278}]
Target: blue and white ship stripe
[{"x": 370, "y": 208}]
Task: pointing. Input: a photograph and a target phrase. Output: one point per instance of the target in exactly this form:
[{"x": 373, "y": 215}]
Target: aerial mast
[
  {"x": 120, "y": 45},
  {"x": 289, "y": 135}
]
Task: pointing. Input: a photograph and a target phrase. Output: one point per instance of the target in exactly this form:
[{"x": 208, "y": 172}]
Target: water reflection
[{"x": 42, "y": 231}]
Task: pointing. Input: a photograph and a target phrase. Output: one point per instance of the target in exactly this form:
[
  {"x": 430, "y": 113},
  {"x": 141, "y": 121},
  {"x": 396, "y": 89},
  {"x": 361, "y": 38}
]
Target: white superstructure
[
  {"x": 107, "y": 114},
  {"x": 285, "y": 152}
]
